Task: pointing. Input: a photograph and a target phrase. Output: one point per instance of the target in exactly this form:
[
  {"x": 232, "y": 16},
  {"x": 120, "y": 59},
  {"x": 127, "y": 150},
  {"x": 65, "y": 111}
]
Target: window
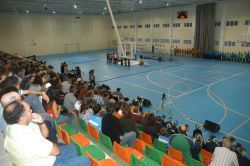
[
  {"x": 232, "y": 23},
  {"x": 139, "y": 39},
  {"x": 217, "y": 23},
  {"x": 156, "y": 25},
  {"x": 176, "y": 25},
  {"x": 176, "y": 41},
  {"x": 155, "y": 40},
  {"x": 147, "y": 26},
  {"x": 139, "y": 26},
  {"x": 230, "y": 43},
  {"x": 187, "y": 24},
  {"x": 187, "y": 41},
  {"x": 165, "y": 25},
  {"x": 164, "y": 40},
  {"x": 147, "y": 40},
  {"x": 132, "y": 26},
  {"x": 247, "y": 22},
  {"x": 125, "y": 26}
]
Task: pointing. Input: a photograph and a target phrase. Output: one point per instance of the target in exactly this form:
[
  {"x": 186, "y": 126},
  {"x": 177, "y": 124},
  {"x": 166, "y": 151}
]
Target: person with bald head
[{"x": 223, "y": 155}]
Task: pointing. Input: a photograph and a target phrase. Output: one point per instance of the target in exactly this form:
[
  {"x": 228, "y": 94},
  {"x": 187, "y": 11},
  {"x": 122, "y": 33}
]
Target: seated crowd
[{"x": 33, "y": 96}]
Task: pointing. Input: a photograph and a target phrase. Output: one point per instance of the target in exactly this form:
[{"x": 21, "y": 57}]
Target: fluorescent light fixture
[
  {"x": 131, "y": 9},
  {"x": 103, "y": 13},
  {"x": 75, "y": 6},
  {"x": 44, "y": 5},
  {"x": 54, "y": 12},
  {"x": 27, "y": 11},
  {"x": 140, "y": 1},
  {"x": 167, "y": 4},
  {"x": 105, "y": 8}
]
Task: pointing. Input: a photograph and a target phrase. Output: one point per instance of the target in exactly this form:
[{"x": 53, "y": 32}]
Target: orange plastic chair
[
  {"x": 168, "y": 161},
  {"x": 117, "y": 115},
  {"x": 80, "y": 139},
  {"x": 125, "y": 153},
  {"x": 65, "y": 136},
  {"x": 175, "y": 154},
  {"x": 60, "y": 129},
  {"x": 146, "y": 138},
  {"x": 93, "y": 132},
  {"x": 206, "y": 156},
  {"x": 104, "y": 162},
  {"x": 139, "y": 145}
]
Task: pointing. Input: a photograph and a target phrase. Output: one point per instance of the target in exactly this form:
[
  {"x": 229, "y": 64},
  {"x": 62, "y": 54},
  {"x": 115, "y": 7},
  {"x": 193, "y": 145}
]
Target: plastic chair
[
  {"x": 93, "y": 150},
  {"x": 70, "y": 129},
  {"x": 106, "y": 141},
  {"x": 134, "y": 161},
  {"x": 117, "y": 115},
  {"x": 175, "y": 154},
  {"x": 104, "y": 162},
  {"x": 153, "y": 155},
  {"x": 139, "y": 127},
  {"x": 168, "y": 161},
  {"x": 65, "y": 137},
  {"x": 82, "y": 124},
  {"x": 146, "y": 138},
  {"x": 160, "y": 145},
  {"x": 93, "y": 132},
  {"x": 125, "y": 153},
  {"x": 206, "y": 156},
  {"x": 139, "y": 145},
  {"x": 80, "y": 139},
  {"x": 58, "y": 128}
]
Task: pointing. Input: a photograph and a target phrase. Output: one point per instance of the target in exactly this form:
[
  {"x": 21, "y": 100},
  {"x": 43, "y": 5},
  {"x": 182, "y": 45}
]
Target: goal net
[
  {"x": 129, "y": 50},
  {"x": 72, "y": 48}
]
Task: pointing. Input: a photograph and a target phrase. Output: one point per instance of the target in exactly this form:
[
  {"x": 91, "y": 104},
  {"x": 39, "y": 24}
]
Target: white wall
[
  {"x": 47, "y": 34},
  {"x": 225, "y": 11}
]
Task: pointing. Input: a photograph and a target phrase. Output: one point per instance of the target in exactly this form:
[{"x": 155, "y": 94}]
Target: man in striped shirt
[{"x": 223, "y": 156}]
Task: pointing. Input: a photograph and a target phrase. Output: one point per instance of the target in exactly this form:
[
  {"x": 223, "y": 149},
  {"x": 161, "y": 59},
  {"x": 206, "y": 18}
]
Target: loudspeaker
[{"x": 211, "y": 126}]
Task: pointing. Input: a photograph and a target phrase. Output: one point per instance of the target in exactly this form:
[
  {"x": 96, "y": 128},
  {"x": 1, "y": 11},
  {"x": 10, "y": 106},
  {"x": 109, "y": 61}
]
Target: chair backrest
[
  {"x": 118, "y": 116},
  {"x": 82, "y": 124},
  {"x": 106, "y": 141},
  {"x": 59, "y": 128},
  {"x": 139, "y": 145},
  {"x": 175, "y": 154},
  {"x": 93, "y": 131},
  {"x": 65, "y": 137},
  {"x": 121, "y": 152},
  {"x": 153, "y": 154},
  {"x": 94, "y": 162},
  {"x": 80, "y": 152},
  {"x": 146, "y": 138},
  {"x": 168, "y": 161},
  {"x": 205, "y": 153},
  {"x": 160, "y": 145},
  {"x": 70, "y": 129},
  {"x": 134, "y": 161}
]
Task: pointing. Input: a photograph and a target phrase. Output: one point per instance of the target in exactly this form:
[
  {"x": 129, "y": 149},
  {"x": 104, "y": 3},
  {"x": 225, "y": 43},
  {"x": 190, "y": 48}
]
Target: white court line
[
  {"x": 229, "y": 109},
  {"x": 239, "y": 126},
  {"x": 183, "y": 78},
  {"x": 154, "y": 83},
  {"x": 139, "y": 86}
]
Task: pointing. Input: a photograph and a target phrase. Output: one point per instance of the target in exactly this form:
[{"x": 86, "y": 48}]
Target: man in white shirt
[
  {"x": 223, "y": 156},
  {"x": 26, "y": 141}
]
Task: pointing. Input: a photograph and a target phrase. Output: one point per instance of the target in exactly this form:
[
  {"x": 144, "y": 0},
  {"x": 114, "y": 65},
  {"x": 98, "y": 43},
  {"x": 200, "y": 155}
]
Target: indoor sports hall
[{"x": 174, "y": 74}]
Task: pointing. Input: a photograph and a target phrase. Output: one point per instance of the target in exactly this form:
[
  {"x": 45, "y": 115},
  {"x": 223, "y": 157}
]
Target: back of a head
[
  {"x": 182, "y": 129},
  {"x": 110, "y": 108},
  {"x": 96, "y": 108},
  {"x": 126, "y": 111},
  {"x": 6, "y": 90},
  {"x": 10, "y": 97},
  {"x": 12, "y": 112},
  {"x": 72, "y": 89},
  {"x": 226, "y": 143},
  {"x": 151, "y": 119}
]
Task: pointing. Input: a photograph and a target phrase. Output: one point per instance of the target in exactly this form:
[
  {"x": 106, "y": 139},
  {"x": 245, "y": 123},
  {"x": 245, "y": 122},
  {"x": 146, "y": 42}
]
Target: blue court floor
[{"x": 197, "y": 89}]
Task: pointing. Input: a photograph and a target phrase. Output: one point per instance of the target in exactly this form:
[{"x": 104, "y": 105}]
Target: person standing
[{"x": 92, "y": 77}]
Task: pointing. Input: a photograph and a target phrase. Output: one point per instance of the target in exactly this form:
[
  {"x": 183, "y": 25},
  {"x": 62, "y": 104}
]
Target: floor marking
[
  {"x": 154, "y": 83},
  {"x": 239, "y": 126},
  {"x": 183, "y": 78}
]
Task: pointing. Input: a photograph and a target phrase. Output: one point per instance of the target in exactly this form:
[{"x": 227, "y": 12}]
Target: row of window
[
  {"x": 232, "y": 44},
  {"x": 175, "y": 41},
  {"x": 154, "y": 26},
  {"x": 231, "y": 23}
]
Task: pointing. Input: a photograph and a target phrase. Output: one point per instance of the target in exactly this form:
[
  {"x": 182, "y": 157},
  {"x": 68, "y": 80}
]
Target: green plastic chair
[
  {"x": 160, "y": 145},
  {"x": 56, "y": 126},
  {"x": 70, "y": 129},
  {"x": 82, "y": 124},
  {"x": 94, "y": 151},
  {"x": 106, "y": 141},
  {"x": 139, "y": 127},
  {"x": 134, "y": 161},
  {"x": 152, "y": 156}
]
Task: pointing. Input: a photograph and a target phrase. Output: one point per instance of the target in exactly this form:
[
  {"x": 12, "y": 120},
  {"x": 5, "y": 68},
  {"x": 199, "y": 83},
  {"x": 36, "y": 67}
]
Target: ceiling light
[
  {"x": 27, "y": 11},
  {"x": 75, "y": 6},
  {"x": 105, "y": 8},
  {"x": 167, "y": 4},
  {"x": 44, "y": 5},
  {"x": 131, "y": 9},
  {"x": 54, "y": 12},
  {"x": 103, "y": 13},
  {"x": 140, "y": 1}
]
